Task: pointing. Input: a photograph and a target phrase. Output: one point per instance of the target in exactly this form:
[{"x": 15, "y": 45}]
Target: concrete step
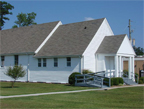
[{"x": 129, "y": 81}]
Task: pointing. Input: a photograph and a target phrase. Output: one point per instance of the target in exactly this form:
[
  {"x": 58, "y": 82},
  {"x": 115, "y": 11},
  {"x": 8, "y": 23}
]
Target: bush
[
  {"x": 140, "y": 82},
  {"x": 86, "y": 71},
  {"x": 115, "y": 81},
  {"x": 120, "y": 80},
  {"x": 141, "y": 79},
  {"x": 72, "y": 78},
  {"x": 125, "y": 73},
  {"x": 136, "y": 76},
  {"x": 106, "y": 81}
]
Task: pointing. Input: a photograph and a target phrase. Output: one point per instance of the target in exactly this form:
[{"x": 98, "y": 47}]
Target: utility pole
[{"x": 130, "y": 31}]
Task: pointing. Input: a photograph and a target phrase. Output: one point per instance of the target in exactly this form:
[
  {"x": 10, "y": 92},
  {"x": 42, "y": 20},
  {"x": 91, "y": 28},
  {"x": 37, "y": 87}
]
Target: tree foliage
[
  {"x": 25, "y": 19},
  {"x": 4, "y": 10},
  {"x": 15, "y": 73},
  {"x": 138, "y": 50}
]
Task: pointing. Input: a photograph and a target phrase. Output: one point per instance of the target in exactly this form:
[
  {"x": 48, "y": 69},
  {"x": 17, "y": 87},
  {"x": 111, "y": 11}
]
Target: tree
[
  {"x": 15, "y": 73},
  {"x": 4, "y": 10},
  {"x": 138, "y": 50},
  {"x": 25, "y": 19}
]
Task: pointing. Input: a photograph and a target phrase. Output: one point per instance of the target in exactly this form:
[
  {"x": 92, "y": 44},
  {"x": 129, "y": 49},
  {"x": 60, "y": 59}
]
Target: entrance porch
[{"x": 112, "y": 64}]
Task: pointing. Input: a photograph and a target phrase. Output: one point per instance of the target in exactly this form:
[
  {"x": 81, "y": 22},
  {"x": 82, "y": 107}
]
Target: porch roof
[{"x": 111, "y": 44}]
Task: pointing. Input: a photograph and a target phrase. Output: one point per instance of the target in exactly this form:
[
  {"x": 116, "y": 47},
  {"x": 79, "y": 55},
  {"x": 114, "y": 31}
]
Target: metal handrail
[{"x": 96, "y": 78}]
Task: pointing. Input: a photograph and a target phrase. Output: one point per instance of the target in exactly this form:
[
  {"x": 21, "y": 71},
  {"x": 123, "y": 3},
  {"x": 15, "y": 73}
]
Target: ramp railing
[{"x": 97, "y": 79}]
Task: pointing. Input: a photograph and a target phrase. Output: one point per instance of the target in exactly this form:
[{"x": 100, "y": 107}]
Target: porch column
[
  {"x": 120, "y": 65},
  {"x": 116, "y": 66},
  {"x": 130, "y": 67},
  {"x": 133, "y": 71}
]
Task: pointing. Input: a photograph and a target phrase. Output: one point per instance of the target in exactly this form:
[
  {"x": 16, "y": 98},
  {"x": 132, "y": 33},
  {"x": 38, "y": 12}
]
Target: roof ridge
[{"x": 84, "y": 21}]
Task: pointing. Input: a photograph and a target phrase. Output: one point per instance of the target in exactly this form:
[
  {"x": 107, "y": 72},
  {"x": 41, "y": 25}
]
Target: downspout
[
  {"x": 81, "y": 64},
  {"x": 28, "y": 69}
]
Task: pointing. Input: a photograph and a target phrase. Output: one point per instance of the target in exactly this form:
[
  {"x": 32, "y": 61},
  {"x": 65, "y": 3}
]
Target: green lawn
[
  {"x": 124, "y": 98},
  {"x": 30, "y": 88}
]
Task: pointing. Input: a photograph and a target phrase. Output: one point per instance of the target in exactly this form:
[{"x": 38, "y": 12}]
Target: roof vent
[{"x": 85, "y": 27}]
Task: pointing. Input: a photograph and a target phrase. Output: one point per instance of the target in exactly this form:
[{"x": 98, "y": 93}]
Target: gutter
[{"x": 24, "y": 53}]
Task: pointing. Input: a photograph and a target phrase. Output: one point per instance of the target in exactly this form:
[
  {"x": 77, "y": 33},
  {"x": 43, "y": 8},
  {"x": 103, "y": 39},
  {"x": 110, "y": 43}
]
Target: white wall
[
  {"x": 126, "y": 47},
  {"x": 9, "y": 61},
  {"x": 89, "y": 54},
  {"x": 105, "y": 62},
  {"x": 49, "y": 73}
]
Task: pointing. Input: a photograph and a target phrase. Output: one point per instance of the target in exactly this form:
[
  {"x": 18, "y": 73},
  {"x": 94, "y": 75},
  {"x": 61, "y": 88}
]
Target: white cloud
[{"x": 88, "y": 18}]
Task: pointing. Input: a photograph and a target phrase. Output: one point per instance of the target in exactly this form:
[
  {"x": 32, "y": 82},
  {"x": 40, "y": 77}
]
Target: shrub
[
  {"x": 141, "y": 79},
  {"x": 120, "y": 80},
  {"x": 125, "y": 73},
  {"x": 86, "y": 71},
  {"x": 115, "y": 81},
  {"x": 72, "y": 78},
  {"x": 106, "y": 81},
  {"x": 140, "y": 82},
  {"x": 136, "y": 76}
]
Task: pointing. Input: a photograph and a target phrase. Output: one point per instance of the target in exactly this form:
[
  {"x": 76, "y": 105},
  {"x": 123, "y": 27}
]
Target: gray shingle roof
[
  {"x": 24, "y": 39},
  {"x": 70, "y": 39},
  {"x": 111, "y": 44}
]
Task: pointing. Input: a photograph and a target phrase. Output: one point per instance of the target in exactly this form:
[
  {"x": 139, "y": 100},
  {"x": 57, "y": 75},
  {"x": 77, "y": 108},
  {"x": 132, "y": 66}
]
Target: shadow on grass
[{"x": 9, "y": 87}]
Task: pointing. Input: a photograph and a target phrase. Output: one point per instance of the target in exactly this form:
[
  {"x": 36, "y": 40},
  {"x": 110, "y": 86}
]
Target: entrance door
[{"x": 109, "y": 63}]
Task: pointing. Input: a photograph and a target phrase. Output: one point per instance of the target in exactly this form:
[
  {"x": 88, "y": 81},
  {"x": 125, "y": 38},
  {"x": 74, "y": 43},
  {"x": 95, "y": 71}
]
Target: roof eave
[
  {"x": 58, "y": 56},
  {"x": 24, "y": 53}
]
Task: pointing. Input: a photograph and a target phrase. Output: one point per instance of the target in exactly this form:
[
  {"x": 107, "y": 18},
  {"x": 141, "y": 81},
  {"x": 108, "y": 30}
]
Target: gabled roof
[
  {"x": 70, "y": 39},
  {"x": 24, "y": 39},
  {"x": 111, "y": 44}
]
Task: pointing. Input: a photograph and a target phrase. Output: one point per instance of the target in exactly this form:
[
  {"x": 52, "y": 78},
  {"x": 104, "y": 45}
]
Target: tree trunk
[{"x": 13, "y": 83}]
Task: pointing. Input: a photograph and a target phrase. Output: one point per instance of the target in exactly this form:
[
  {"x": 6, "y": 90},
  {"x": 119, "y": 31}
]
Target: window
[
  {"x": 55, "y": 62},
  {"x": 16, "y": 59},
  {"x": 39, "y": 62},
  {"x": 2, "y": 61},
  {"x": 68, "y": 61},
  {"x": 44, "y": 62}
]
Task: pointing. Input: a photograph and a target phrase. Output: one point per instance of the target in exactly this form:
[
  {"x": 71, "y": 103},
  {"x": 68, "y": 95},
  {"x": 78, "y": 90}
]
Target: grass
[
  {"x": 131, "y": 97},
  {"x": 31, "y": 88}
]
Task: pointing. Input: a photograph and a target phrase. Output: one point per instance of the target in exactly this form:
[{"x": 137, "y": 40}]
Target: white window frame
[
  {"x": 68, "y": 61},
  {"x": 2, "y": 61},
  {"x": 39, "y": 62},
  {"x": 55, "y": 62},
  {"x": 44, "y": 62}
]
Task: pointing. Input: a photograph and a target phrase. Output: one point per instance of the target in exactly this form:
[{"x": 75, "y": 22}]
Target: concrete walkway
[{"x": 63, "y": 92}]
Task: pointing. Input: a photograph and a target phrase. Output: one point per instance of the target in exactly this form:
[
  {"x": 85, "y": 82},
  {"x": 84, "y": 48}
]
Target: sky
[{"x": 117, "y": 13}]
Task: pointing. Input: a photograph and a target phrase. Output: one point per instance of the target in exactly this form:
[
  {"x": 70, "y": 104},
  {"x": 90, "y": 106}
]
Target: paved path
[{"x": 63, "y": 92}]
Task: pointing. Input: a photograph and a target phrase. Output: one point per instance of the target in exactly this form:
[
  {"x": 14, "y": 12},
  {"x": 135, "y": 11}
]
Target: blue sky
[{"x": 117, "y": 13}]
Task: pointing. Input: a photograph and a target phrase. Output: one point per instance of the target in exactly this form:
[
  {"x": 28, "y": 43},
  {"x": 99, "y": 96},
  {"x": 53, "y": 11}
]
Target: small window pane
[
  {"x": 2, "y": 61},
  {"x": 2, "y": 58},
  {"x": 16, "y": 59},
  {"x": 39, "y": 62},
  {"x": 68, "y": 61},
  {"x": 55, "y": 62},
  {"x": 68, "y": 64},
  {"x": 44, "y": 62}
]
